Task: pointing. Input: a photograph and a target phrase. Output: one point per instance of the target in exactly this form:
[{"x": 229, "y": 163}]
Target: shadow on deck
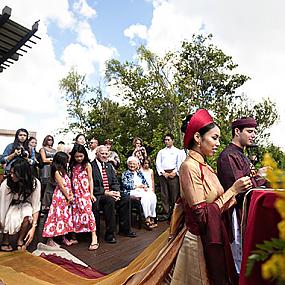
[{"x": 108, "y": 257}]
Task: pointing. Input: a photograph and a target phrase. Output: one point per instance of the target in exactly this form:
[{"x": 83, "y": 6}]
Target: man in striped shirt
[{"x": 108, "y": 193}]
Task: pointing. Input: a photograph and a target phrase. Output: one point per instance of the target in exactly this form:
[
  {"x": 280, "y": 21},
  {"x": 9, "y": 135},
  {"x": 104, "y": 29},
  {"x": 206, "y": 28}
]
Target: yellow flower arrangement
[{"x": 274, "y": 267}]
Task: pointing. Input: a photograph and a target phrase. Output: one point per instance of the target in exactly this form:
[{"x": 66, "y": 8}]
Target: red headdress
[{"x": 199, "y": 120}]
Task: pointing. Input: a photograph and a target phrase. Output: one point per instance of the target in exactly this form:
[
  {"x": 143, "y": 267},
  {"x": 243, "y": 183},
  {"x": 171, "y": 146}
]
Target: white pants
[{"x": 148, "y": 201}]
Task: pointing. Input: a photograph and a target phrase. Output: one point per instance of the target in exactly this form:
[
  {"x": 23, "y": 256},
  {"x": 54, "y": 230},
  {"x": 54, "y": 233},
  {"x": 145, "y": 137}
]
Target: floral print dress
[
  {"x": 83, "y": 217},
  {"x": 59, "y": 221}
]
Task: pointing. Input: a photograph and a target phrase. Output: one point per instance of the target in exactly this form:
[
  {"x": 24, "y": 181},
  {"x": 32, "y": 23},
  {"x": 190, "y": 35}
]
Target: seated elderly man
[
  {"x": 20, "y": 195},
  {"x": 135, "y": 184},
  {"x": 108, "y": 194}
]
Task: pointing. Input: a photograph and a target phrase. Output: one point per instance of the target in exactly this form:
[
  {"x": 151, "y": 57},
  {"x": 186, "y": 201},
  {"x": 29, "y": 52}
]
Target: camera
[{"x": 24, "y": 153}]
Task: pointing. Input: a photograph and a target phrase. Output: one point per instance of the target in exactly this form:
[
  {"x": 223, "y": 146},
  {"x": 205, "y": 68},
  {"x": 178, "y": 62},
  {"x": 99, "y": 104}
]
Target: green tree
[
  {"x": 199, "y": 75},
  {"x": 75, "y": 90},
  {"x": 157, "y": 92}
]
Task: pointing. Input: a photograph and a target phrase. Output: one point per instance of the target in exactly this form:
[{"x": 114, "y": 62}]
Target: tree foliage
[
  {"x": 75, "y": 90},
  {"x": 158, "y": 91}
]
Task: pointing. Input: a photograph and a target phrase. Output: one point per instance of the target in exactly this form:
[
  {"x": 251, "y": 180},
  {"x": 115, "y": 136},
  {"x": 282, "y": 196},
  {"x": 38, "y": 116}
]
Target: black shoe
[
  {"x": 110, "y": 239},
  {"x": 128, "y": 234},
  {"x": 163, "y": 218}
]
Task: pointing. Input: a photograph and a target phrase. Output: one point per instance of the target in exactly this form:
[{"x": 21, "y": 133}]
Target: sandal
[
  {"x": 147, "y": 225},
  {"x": 6, "y": 247},
  {"x": 73, "y": 241},
  {"x": 154, "y": 225},
  {"x": 93, "y": 246},
  {"x": 66, "y": 242},
  {"x": 21, "y": 247}
]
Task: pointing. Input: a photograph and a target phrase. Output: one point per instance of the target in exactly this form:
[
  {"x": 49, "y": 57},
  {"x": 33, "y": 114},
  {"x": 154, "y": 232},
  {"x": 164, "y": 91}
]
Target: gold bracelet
[{"x": 34, "y": 225}]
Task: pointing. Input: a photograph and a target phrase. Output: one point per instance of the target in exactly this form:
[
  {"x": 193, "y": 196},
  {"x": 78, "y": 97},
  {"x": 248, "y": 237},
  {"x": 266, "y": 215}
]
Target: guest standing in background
[
  {"x": 15, "y": 150},
  {"x": 80, "y": 139},
  {"x": 47, "y": 153},
  {"x": 139, "y": 151},
  {"x": 35, "y": 158},
  {"x": 113, "y": 157},
  {"x": 92, "y": 149},
  {"x": 168, "y": 161}
]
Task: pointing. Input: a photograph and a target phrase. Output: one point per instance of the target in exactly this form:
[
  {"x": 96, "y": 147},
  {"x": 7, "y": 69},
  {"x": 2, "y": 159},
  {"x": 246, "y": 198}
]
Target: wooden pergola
[{"x": 15, "y": 39}]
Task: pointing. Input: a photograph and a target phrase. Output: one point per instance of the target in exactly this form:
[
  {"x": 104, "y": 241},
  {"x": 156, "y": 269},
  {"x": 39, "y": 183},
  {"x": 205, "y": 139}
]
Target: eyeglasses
[{"x": 50, "y": 139}]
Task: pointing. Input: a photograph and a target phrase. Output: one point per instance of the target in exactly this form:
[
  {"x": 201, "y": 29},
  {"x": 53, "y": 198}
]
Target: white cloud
[
  {"x": 86, "y": 53},
  {"x": 84, "y": 9},
  {"x": 250, "y": 31},
  {"x": 134, "y": 31}
]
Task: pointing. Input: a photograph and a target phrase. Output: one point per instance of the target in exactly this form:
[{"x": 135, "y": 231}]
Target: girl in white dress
[{"x": 149, "y": 176}]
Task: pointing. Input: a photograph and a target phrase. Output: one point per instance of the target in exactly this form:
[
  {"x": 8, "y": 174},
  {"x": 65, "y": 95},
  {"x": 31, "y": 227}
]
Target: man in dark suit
[{"x": 108, "y": 195}]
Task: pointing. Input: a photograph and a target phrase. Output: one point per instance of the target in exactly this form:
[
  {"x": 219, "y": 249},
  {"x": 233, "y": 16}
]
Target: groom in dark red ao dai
[{"x": 232, "y": 165}]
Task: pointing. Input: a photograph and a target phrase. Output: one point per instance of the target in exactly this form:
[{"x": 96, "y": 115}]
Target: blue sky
[
  {"x": 85, "y": 33},
  {"x": 112, "y": 18}
]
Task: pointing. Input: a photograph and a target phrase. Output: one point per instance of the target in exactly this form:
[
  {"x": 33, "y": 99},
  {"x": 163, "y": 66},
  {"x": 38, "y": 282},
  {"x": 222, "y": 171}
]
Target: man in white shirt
[
  {"x": 92, "y": 149},
  {"x": 168, "y": 161}
]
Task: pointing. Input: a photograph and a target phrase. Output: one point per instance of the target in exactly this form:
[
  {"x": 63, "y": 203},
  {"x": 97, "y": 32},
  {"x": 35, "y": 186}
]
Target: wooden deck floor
[{"x": 109, "y": 257}]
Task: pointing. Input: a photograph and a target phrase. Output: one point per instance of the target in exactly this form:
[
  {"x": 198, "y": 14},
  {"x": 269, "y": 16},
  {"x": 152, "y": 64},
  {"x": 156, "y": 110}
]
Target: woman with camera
[{"x": 17, "y": 149}]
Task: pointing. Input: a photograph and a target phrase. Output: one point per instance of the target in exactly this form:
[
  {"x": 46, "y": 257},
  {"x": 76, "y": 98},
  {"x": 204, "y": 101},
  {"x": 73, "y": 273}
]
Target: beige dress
[
  {"x": 197, "y": 186},
  {"x": 12, "y": 216}
]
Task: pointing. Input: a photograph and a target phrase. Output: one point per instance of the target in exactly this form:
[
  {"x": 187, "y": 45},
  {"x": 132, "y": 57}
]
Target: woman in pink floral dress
[
  {"x": 59, "y": 221},
  {"x": 82, "y": 186}
]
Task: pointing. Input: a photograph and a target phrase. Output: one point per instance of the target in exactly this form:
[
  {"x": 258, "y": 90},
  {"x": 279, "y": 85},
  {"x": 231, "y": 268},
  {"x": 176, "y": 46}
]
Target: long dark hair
[
  {"x": 81, "y": 149},
  {"x": 26, "y": 183},
  {"x": 77, "y": 137},
  {"x": 59, "y": 164},
  {"x": 17, "y": 143}
]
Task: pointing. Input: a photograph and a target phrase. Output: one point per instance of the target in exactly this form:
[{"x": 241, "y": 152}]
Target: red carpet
[{"x": 82, "y": 271}]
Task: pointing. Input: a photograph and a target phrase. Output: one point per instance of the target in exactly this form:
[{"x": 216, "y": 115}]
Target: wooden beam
[
  {"x": 16, "y": 32},
  {"x": 6, "y": 13}
]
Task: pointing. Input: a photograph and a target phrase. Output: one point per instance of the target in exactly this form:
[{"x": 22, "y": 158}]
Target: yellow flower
[
  {"x": 274, "y": 267},
  {"x": 268, "y": 161},
  {"x": 281, "y": 228},
  {"x": 280, "y": 206}
]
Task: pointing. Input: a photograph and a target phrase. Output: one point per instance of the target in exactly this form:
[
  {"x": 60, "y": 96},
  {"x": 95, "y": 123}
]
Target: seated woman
[
  {"x": 20, "y": 195},
  {"x": 135, "y": 184}
]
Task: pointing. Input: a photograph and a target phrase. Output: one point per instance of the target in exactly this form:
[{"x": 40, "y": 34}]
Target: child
[
  {"x": 59, "y": 221},
  {"x": 82, "y": 185},
  {"x": 149, "y": 176}
]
